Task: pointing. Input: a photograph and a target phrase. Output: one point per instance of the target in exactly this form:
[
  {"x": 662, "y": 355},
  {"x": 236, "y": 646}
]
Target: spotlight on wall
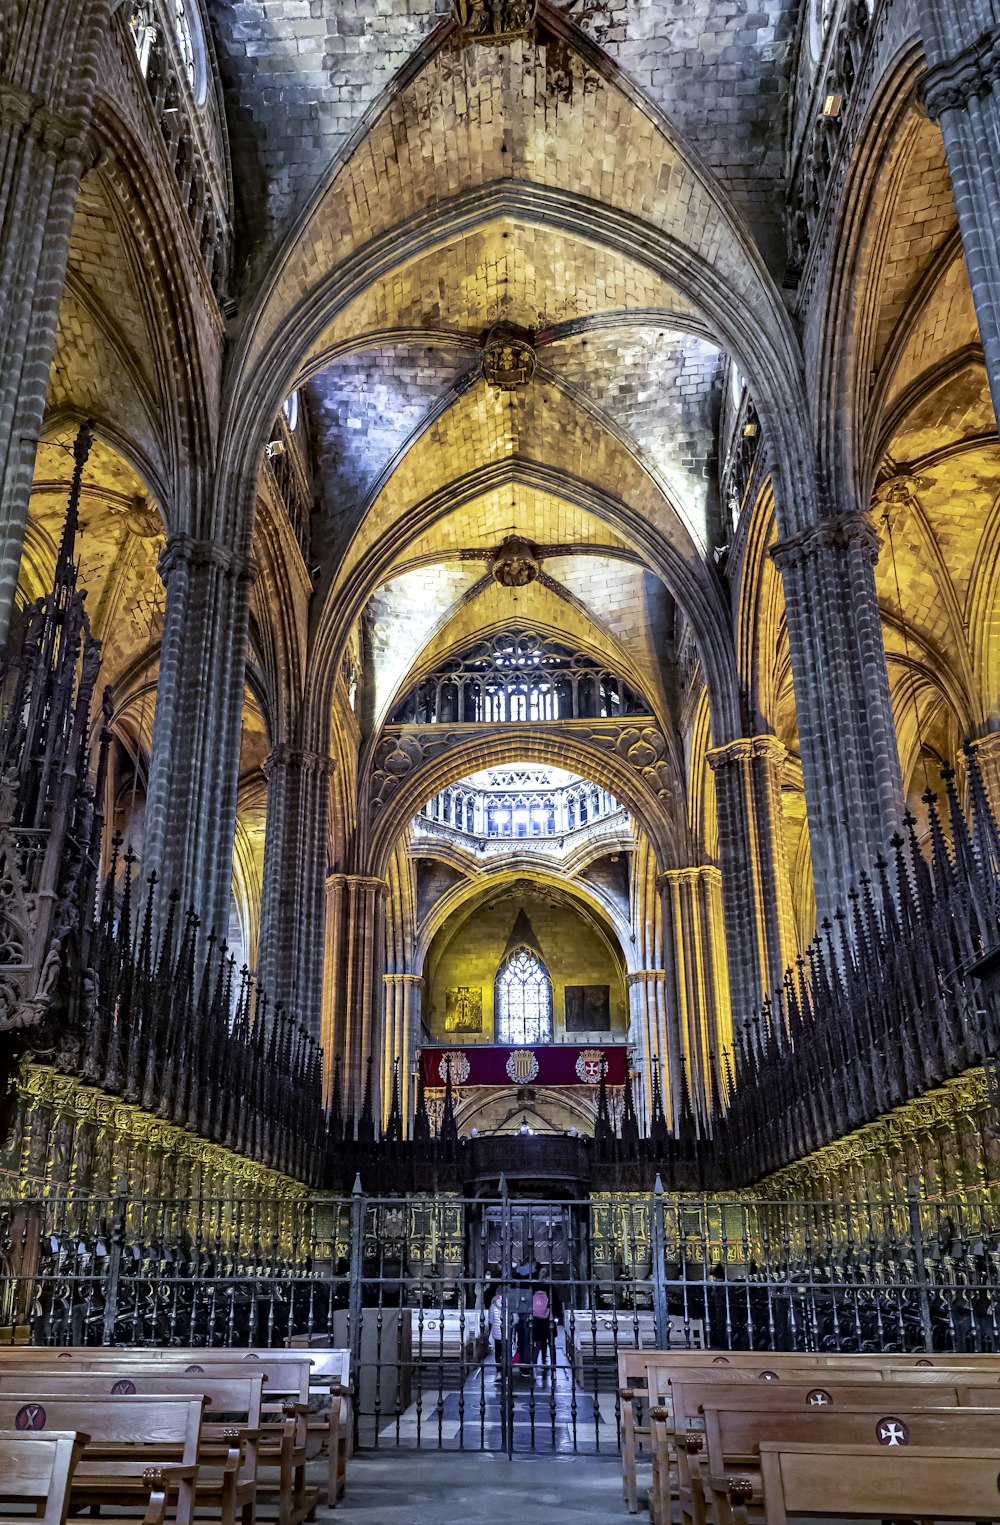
[
  {"x": 832, "y": 106},
  {"x": 274, "y": 447},
  {"x": 750, "y": 430}
]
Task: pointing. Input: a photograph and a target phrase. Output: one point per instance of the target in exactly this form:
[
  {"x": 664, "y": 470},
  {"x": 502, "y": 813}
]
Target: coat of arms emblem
[
  {"x": 589, "y": 1064},
  {"x": 522, "y": 1065},
  {"x": 458, "y": 1061}
]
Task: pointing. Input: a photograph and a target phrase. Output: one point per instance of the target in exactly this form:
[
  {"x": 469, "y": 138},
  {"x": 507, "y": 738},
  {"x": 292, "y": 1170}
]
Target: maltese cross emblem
[{"x": 892, "y": 1432}]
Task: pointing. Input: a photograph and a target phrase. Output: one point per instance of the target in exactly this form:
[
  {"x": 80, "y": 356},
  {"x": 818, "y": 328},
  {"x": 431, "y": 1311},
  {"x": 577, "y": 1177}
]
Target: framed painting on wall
[{"x": 463, "y": 1011}]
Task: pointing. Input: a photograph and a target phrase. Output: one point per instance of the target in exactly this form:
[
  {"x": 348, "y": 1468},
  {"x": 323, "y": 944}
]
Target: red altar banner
[{"x": 555, "y": 1064}]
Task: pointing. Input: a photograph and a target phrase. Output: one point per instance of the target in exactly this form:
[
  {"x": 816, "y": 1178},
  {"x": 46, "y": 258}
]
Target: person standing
[
  {"x": 522, "y": 1318},
  {"x": 541, "y": 1326},
  {"x": 498, "y": 1328}
]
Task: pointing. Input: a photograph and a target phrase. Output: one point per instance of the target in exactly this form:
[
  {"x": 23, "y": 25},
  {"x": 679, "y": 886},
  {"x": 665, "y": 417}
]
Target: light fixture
[
  {"x": 750, "y": 430},
  {"x": 832, "y": 105}
]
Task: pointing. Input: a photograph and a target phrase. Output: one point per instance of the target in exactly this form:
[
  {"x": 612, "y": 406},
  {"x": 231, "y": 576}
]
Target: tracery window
[
  {"x": 523, "y": 999},
  {"x": 518, "y": 676},
  {"x": 187, "y": 30}
]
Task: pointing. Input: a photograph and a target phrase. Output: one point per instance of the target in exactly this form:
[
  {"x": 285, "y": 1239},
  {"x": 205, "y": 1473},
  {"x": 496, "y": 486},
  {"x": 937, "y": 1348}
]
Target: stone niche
[{"x": 577, "y": 952}]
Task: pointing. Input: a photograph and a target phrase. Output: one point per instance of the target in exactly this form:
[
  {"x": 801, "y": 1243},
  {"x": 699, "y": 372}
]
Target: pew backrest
[
  {"x": 662, "y": 1381},
  {"x": 282, "y": 1378},
  {"x": 221, "y": 1394},
  {"x": 166, "y": 1427},
  {"x": 733, "y": 1436},
  {"x": 39, "y": 1469},
  {"x": 879, "y": 1482}
]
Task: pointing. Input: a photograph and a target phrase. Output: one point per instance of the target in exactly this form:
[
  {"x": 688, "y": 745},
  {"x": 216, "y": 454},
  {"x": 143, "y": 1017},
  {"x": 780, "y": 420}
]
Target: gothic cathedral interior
[{"x": 500, "y": 710}]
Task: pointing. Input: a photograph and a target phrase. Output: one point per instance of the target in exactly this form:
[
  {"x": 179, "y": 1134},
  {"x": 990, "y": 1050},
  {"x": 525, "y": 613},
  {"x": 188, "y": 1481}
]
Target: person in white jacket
[{"x": 498, "y": 1327}]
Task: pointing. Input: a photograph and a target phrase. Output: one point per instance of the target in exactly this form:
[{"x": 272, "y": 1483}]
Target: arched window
[
  {"x": 523, "y": 999},
  {"x": 187, "y": 30}
]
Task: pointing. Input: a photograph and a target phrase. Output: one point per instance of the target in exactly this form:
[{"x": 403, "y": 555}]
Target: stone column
[
  {"x": 847, "y": 736},
  {"x": 194, "y": 766},
  {"x": 48, "y": 74},
  {"x": 403, "y": 1001},
  {"x": 961, "y": 91},
  {"x": 648, "y": 1035},
  {"x": 293, "y": 902},
  {"x": 756, "y": 891},
  {"x": 987, "y": 750},
  {"x": 697, "y": 980},
  {"x": 353, "y": 966}
]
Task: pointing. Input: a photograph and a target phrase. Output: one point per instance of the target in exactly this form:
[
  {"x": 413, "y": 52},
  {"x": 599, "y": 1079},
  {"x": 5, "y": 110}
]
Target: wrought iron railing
[{"x": 408, "y": 1283}]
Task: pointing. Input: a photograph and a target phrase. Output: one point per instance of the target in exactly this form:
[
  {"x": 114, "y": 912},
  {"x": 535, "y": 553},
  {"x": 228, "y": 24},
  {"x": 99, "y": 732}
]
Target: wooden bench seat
[
  {"x": 281, "y": 1450},
  {"x": 635, "y": 1366},
  {"x": 286, "y": 1379},
  {"x": 138, "y": 1451},
  {"x": 37, "y": 1470},
  {"x": 230, "y": 1430},
  {"x": 727, "y": 1470},
  {"x": 687, "y": 1392},
  {"x": 317, "y": 1379},
  {"x": 633, "y": 1396},
  {"x": 329, "y": 1396},
  {"x": 878, "y": 1482}
]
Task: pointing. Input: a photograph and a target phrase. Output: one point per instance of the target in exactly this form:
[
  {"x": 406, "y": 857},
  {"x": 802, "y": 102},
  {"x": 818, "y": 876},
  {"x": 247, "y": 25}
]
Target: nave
[{"x": 499, "y": 760}]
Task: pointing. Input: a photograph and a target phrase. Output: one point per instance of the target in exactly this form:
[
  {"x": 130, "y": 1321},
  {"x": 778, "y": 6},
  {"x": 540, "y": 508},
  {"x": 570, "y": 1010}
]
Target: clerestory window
[{"x": 523, "y": 999}]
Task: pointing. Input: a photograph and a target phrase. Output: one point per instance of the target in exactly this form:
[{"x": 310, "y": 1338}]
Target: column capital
[
  {"x": 986, "y": 746},
  {"x": 68, "y": 136},
  {"x": 646, "y": 977},
  {"x": 838, "y": 533},
  {"x": 402, "y": 979},
  {"x": 356, "y": 881},
  {"x": 185, "y": 550},
  {"x": 952, "y": 83},
  {"x": 695, "y": 874},
  {"x": 745, "y": 748},
  {"x": 284, "y": 755}
]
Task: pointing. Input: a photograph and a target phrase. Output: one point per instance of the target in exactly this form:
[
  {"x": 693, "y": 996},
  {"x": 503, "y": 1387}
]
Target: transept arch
[{"x": 406, "y": 771}]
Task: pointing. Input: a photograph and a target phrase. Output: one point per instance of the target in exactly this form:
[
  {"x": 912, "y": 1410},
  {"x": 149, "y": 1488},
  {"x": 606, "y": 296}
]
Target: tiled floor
[{"x": 551, "y": 1414}]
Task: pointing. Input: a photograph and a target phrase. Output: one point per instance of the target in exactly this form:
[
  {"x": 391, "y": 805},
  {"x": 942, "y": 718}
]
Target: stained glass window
[
  {"x": 523, "y": 999},
  {"x": 186, "y": 42}
]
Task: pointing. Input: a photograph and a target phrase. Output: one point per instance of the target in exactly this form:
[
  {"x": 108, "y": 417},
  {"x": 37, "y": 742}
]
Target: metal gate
[{"x": 495, "y": 1323}]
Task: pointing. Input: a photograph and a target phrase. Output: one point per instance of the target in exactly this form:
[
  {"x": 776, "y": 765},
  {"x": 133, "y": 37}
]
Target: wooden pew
[
  {"x": 733, "y": 1438},
  {"x": 878, "y": 1482},
  {"x": 634, "y": 1398},
  {"x": 294, "y": 1376},
  {"x": 671, "y": 1423},
  {"x": 232, "y": 1494},
  {"x": 329, "y": 1386},
  {"x": 636, "y": 1436},
  {"x": 286, "y": 1396},
  {"x": 38, "y": 1470},
  {"x": 138, "y": 1451}
]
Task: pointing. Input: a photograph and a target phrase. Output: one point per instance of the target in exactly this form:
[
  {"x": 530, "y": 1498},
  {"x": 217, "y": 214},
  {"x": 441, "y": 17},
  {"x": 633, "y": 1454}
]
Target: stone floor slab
[{"x": 447, "y": 1489}]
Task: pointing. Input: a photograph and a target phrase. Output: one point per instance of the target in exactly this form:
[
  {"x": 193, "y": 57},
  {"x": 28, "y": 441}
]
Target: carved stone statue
[
  {"x": 508, "y": 357},
  {"x": 495, "y": 21},
  {"x": 515, "y": 562}
]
